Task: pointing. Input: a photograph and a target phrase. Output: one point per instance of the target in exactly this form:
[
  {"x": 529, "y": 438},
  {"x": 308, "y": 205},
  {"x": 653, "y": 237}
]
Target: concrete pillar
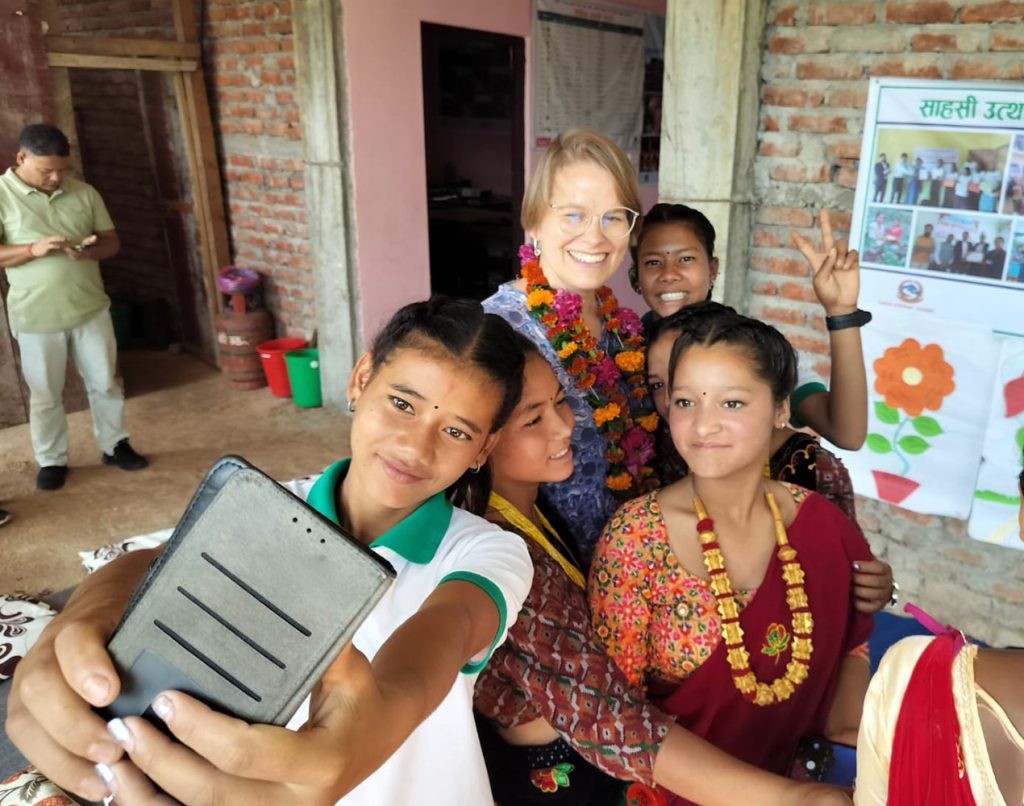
[
  {"x": 709, "y": 123},
  {"x": 323, "y": 102}
]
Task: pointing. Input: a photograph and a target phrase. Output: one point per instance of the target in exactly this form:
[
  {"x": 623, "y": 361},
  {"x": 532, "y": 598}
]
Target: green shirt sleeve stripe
[
  {"x": 495, "y": 593},
  {"x": 800, "y": 394}
]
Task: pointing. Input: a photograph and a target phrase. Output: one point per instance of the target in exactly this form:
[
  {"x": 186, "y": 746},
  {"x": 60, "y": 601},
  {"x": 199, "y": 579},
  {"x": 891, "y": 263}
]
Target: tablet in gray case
[{"x": 253, "y": 597}]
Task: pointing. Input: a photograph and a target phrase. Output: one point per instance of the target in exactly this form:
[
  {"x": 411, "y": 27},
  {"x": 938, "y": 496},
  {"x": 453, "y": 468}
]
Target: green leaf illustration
[
  {"x": 914, "y": 445},
  {"x": 1020, "y": 438},
  {"x": 927, "y": 426},
  {"x": 878, "y": 443},
  {"x": 886, "y": 414}
]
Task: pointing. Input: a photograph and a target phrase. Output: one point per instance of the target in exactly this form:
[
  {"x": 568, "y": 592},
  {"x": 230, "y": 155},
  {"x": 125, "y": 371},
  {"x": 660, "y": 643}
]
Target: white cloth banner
[
  {"x": 928, "y": 404},
  {"x": 939, "y": 222},
  {"x": 588, "y": 70}
]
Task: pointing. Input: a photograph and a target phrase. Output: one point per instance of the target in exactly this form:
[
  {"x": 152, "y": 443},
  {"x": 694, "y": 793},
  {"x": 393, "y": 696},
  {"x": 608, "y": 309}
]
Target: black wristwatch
[{"x": 858, "y": 318}]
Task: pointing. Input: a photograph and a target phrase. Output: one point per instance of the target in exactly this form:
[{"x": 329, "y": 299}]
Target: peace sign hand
[{"x": 835, "y": 271}]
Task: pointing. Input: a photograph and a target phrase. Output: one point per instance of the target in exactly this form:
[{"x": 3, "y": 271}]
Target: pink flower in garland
[
  {"x": 526, "y": 252},
  {"x": 607, "y": 373},
  {"x": 568, "y": 306},
  {"x": 629, "y": 322},
  {"x": 639, "y": 448}
]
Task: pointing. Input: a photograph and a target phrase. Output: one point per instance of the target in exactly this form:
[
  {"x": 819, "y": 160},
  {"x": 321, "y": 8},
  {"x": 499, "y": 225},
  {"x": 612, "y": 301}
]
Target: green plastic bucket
[{"x": 304, "y": 376}]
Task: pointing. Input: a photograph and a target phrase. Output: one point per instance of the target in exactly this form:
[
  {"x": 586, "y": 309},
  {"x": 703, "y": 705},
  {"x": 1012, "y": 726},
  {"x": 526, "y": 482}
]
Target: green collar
[
  {"x": 416, "y": 538},
  {"x": 25, "y": 188}
]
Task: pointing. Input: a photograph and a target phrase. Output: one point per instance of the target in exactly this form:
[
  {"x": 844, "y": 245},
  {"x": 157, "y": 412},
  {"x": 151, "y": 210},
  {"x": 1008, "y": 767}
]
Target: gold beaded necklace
[
  {"x": 743, "y": 677},
  {"x": 515, "y": 518}
]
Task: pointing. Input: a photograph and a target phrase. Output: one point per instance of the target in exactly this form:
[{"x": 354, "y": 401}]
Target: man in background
[{"x": 54, "y": 230}]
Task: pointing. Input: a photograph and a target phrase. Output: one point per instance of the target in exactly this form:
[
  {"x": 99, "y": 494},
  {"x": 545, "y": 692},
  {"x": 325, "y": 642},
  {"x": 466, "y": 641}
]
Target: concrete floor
[{"x": 182, "y": 415}]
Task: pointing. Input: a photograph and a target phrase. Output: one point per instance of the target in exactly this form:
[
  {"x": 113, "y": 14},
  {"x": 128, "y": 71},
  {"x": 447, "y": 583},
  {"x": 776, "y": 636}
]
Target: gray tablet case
[{"x": 253, "y": 597}]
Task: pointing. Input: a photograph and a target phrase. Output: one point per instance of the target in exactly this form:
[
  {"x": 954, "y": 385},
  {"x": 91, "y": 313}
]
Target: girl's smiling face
[
  {"x": 673, "y": 268},
  {"x": 536, "y": 444},
  {"x": 721, "y": 412},
  {"x": 421, "y": 420}
]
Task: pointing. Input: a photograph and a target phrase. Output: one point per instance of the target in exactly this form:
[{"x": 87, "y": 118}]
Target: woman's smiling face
[{"x": 583, "y": 262}]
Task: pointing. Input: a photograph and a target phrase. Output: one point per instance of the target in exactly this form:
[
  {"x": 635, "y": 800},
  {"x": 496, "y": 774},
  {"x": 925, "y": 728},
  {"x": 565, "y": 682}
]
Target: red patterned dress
[
  {"x": 660, "y": 623},
  {"x": 550, "y": 667}
]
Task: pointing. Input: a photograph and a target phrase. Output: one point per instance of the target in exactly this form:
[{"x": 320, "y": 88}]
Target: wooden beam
[
  {"x": 118, "y": 46},
  {"x": 90, "y": 61}
]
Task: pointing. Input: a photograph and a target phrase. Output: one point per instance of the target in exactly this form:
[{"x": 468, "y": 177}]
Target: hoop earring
[
  {"x": 536, "y": 247},
  {"x": 477, "y": 468},
  {"x": 351, "y": 406}
]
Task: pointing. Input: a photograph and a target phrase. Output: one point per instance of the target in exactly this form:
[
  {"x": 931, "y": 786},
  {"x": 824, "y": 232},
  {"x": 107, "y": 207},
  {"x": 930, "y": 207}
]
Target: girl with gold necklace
[
  {"x": 726, "y": 595},
  {"x": 558, "y": 721}
]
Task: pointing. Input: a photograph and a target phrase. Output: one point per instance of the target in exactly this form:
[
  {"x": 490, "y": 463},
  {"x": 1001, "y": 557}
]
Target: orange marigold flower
[
  {"x": 615, "y": 454},
  {"x": 539, "y": 297},
  {"x": 606, "y": 414},
  {"x": 578, "y": 366},
  {"x": 630, "y": 361},
  {"x": 619, "y": 481},
  {"x": 914, "y": 378},
  {"x": 587, "y": 381},
  {"x": 549, "y": 320},
  {"x": 568, "y": 349},
  {"x": 648, "y": 423}
]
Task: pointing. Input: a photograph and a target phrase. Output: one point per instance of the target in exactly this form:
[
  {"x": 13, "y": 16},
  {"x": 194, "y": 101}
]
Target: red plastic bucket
[{"x": 274, "y": 367}]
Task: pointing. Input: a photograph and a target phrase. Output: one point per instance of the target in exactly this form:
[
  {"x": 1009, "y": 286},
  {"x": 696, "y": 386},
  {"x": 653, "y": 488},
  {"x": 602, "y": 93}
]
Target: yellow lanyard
[{"x": 526, "y": 526}]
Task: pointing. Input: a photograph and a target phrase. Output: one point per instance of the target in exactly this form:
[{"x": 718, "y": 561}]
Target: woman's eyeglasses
[{"x": 616, "y": 223}]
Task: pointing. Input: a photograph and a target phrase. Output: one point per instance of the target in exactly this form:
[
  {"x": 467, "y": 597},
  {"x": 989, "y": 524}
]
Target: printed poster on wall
[
  {"x": 588, "y": 70},
  {"x": 939, "y": 223}
]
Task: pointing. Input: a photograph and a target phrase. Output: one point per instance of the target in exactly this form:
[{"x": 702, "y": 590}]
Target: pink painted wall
[{"x": 383, "y": 60}]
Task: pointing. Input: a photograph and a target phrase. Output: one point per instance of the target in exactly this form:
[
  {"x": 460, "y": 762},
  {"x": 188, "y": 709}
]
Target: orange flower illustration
[{"x": 914, "y": 378}]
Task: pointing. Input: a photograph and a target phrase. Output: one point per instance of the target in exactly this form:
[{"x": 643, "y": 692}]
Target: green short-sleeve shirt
[{"x": 52, "y": 293}]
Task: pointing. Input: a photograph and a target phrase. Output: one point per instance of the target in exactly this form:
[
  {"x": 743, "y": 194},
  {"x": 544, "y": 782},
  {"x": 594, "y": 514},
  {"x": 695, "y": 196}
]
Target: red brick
[
  {"x": 791, "y": 96},
  {"x": 963, "y": 557},
  {"x": 1009, "y": 593},
  {"x": 819, "y": 124},
  {"x": 770, "y": 124},
  {"x": 779, "y": 265},
  {"x": 809, "y": 344},
  {"x": 787, "y": 44},
  {"x": 786, "y": 16},
  {"x": 765, "y": 238},
  {"x": 1008, "y": 71},
  {"x": 828, "y": 71},
  {"x": 802, "y": 292},
  {"x": 932, "y": 42},
  {"x": 847, "y": 174},
  {"x": 841, "y": 222},
  {"x": 785, "y": 216},
  {"x": 824, "y": 369},
  {"x": 1001, "y": 40},
  {"x": 765, "y": 288},
  {"x": 993, "y": 12},
  {"x": 851, "y": 98},
  {"x": 843, "y": 149},
  {"x": 919, "y": 13},
  {"x": 779, "y": 148},
  {"x": 786, "y": 316},
  {"x": 842, "y": 14},
  {"x": 818, "y": 323},
  {"x": 898, "y": 67},
  {"x": 789, "y": 172}
]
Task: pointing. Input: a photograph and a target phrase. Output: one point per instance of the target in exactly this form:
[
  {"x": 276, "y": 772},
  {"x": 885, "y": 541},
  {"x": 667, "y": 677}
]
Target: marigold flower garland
[
  {"x": 752, "y": 689},
  {"x": 626, "y": 420}
]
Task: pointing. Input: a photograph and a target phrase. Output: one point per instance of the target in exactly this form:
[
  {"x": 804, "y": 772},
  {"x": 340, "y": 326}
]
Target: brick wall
[
  {"x": 817, "y": 60},
  {"x": 251, "y": 79}
]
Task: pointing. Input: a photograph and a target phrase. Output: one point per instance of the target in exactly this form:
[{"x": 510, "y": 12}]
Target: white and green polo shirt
[
  {"x": 808, "y": 383},
  {"x": 440, "y": 762}
]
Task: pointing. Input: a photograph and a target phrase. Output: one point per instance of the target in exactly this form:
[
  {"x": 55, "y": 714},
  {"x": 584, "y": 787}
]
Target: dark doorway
[{"x": 473, "y": 122}]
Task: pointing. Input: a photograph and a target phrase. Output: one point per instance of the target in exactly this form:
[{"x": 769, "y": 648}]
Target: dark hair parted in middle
[
  {"x": 482, "y": 341},
  {"x": 772, "y": 357},
  {"x": 665, "y": 213}
]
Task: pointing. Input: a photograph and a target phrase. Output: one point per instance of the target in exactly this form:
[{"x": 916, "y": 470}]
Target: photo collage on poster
[{"x": 950, "y": 202}]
